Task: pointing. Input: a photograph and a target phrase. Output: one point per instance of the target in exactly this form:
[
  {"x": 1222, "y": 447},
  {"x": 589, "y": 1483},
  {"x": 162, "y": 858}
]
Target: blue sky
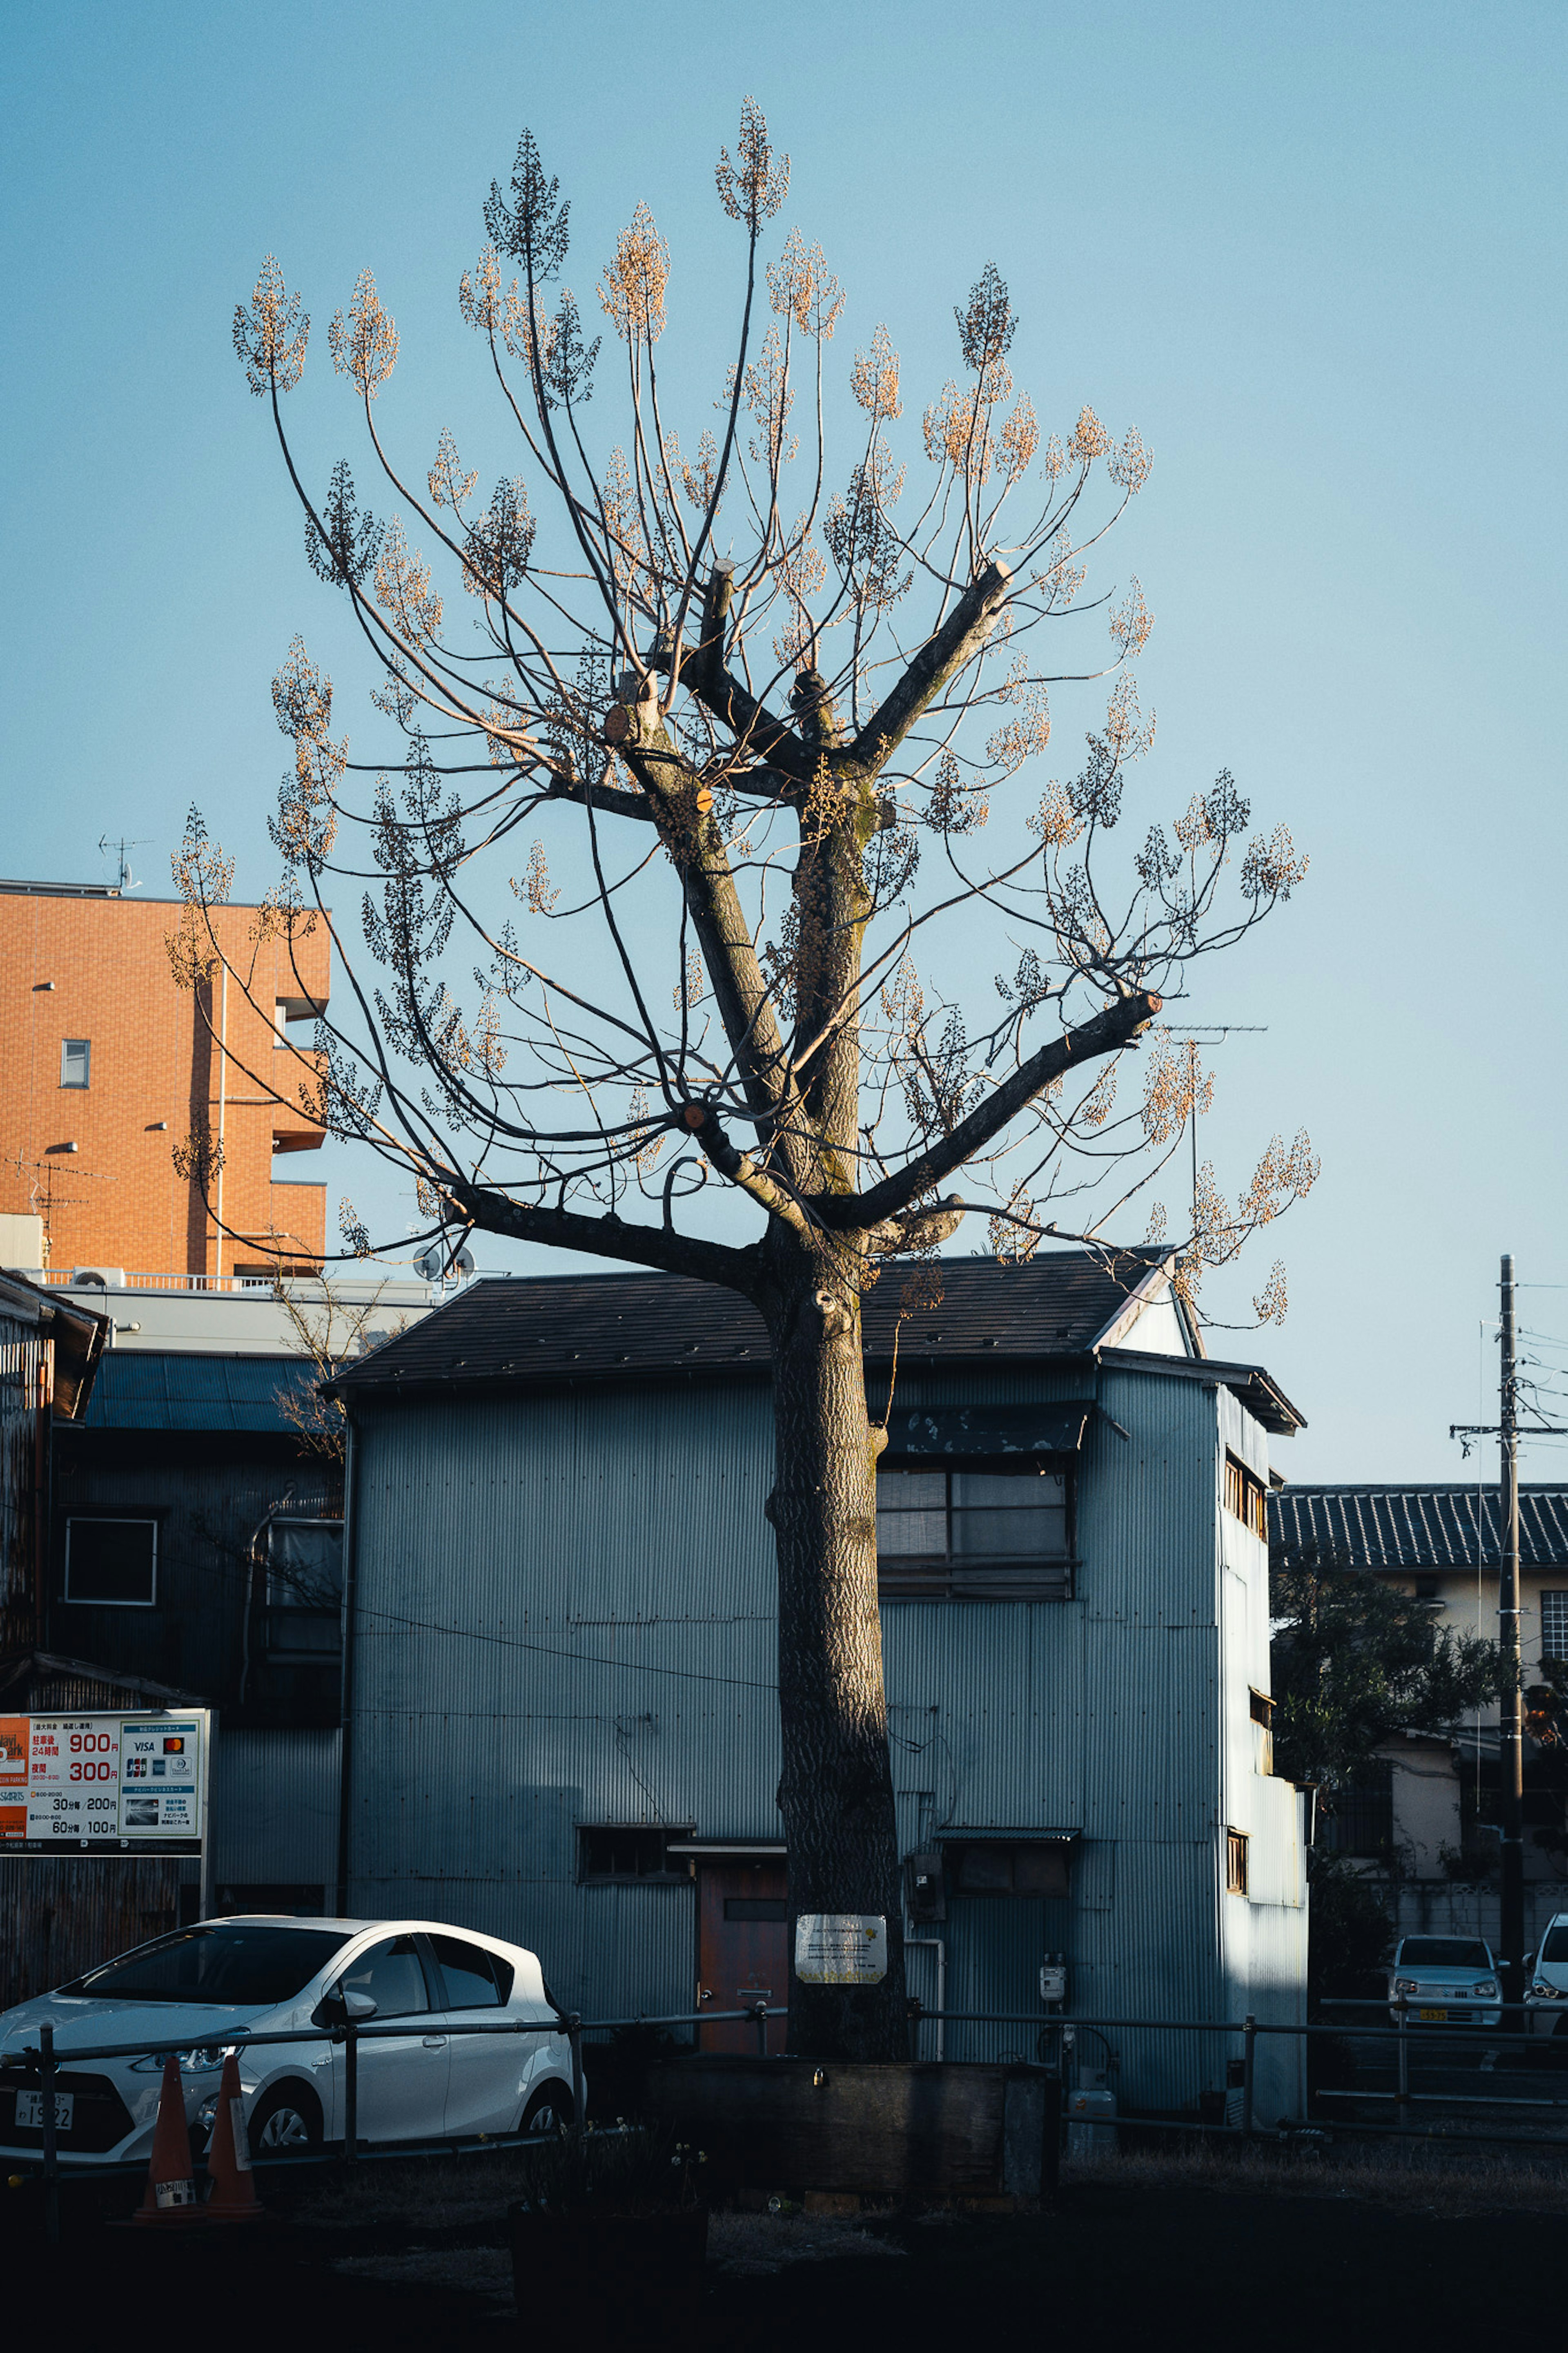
[{"x": 1313, "y": 252}]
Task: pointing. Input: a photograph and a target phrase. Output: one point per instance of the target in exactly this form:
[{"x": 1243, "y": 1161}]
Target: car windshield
[
  {"x": 1555, "y": 1948},
  {"x": 234, "y": 1962},
  {"x": 1444, "y": 1952}
]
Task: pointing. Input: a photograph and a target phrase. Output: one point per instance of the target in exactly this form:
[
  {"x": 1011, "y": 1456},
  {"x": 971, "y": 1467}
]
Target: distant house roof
[
  {"x": 547, "y": 1330},
  {"x": 1417, "y": 1527},
  {"x": 142, "y": 1390}
]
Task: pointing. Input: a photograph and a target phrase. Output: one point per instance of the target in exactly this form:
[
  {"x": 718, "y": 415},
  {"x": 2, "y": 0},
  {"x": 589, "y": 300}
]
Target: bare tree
[{"x": 743, "y": 704}]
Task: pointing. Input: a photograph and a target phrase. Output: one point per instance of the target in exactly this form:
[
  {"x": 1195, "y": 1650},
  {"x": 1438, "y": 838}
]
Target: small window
[
  {"x": 607, "y": 1854},
  {"x": 113, "y": 1563},
  {"x": 1245, "y": 1495},
  {"x": 304, "y": 1588},
  {"x": 972, "y": 1532},
  {"x": 1426, "y": 1589},
  {"x": 1235, "y": 1862},
  {"x": 392, "y": 1976},
  {"x": 473, "y": 1977},
  {"x": 76, "y": 1061},
  {"x": 1554, "y": 1626},
  {"x": 1032, "y": 1867}
]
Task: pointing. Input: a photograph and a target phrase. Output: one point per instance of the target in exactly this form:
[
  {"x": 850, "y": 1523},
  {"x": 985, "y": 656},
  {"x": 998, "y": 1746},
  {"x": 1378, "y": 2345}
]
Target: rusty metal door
[{"x": 743, "y": 1947}]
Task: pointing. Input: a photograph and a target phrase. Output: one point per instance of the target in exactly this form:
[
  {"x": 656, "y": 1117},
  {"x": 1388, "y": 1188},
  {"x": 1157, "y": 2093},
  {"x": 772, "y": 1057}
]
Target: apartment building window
[
  {"x": 304, "y": 1590},
  {"x": 76, "y": 1061},
  {"x": 984, "y": 1534},
  {"x": 112, "y": 1563},
  {"x": 1555, "y": 1625},
  {"x": 1235, "y": 1862},
  {"x": 1245, "y": 1495}
]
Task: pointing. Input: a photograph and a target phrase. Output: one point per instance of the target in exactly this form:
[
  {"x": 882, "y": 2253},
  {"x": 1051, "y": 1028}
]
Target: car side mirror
[{"x": 338, "y": 2007}]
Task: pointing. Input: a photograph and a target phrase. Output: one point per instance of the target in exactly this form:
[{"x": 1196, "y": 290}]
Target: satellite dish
[{"x": 437, "y": 1264}]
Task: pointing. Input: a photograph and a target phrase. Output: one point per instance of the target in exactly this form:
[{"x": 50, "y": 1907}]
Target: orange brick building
[{"x": 107, "y": 1066}]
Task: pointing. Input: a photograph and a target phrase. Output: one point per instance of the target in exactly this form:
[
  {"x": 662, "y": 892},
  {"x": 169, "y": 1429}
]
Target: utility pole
[{"x": 1511, "y": 1755}]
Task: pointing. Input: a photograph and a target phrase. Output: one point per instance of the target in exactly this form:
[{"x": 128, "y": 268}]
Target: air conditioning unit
[{"x": 98, "y": 1278}]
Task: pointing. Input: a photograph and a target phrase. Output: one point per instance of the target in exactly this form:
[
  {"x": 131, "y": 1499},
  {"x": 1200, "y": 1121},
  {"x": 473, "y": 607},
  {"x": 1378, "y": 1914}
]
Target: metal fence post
[
  {"x": 1402, "y": 2097},
  {"x": 1248, "y": 2055},
  {"x": 350, "y": 2091},
  {"x": 574, "y": 2036},
  {"x": 51, "y": 2155},
  {"x": 915, "y": 2008},
  {"x": 760, "y": 2012}
]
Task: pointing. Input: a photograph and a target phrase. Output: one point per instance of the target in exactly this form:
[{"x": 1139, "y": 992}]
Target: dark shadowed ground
[{"x": 1141, "y": 2255}]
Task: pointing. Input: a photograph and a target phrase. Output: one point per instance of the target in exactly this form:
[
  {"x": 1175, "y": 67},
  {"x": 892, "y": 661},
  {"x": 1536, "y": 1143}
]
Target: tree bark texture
[{"x": 836, "y": 1790}]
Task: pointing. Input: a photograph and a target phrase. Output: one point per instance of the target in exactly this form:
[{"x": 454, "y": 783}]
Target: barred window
[
  {"x": 972, "y": 1532},
  {"x": 1555, "y": 1625}
]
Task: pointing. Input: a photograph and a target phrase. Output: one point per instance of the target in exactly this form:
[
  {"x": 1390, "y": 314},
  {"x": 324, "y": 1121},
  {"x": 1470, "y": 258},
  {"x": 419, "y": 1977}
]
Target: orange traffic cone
[
  {"x": 171, "y": 2190},
  {"x": 233, "y": 2197}
]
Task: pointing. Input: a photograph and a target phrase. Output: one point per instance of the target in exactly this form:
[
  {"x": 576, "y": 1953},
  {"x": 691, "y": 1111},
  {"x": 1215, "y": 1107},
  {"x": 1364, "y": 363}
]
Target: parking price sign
[{"x": 103, "y": 1783}]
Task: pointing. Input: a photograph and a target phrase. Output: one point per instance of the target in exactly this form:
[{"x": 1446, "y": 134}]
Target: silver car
[
  {"x": 258, "y": 1973},
  {"x": 1445, "y": 1981},
  {"x": 1546, "y": 1990}
]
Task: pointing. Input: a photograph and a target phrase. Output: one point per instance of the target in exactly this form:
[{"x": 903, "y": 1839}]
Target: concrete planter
[{"x": 888, "y": 2130}]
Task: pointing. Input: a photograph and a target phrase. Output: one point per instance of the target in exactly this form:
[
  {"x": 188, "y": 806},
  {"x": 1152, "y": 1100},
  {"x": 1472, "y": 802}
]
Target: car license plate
[
  {"x": 31, "y": 2111},
  {"x": 1433, "y": 2017}
]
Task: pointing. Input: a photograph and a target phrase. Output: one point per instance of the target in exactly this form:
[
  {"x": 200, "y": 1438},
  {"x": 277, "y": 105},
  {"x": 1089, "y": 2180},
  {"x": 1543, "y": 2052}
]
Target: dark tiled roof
[
  {"x": 569, "y": 1327},
  {"x": 143, "y": 1389},
  {"x": 1417, "y": 1527},
  {"x": 551, "y": 1329}
]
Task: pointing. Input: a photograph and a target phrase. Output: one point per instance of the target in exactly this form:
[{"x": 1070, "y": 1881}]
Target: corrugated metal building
[{"x": 561, "y": 1619}]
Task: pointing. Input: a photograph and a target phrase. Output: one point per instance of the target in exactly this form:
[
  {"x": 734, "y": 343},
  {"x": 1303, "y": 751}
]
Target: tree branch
[
  {"x": 604, "y": 1236},
  {"x": 939, "y": 660},
  {"x": 1113, "y": 1027}
]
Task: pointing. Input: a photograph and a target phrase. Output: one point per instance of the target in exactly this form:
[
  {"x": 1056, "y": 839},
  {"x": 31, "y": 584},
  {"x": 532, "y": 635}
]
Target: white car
[
  {"x": 1445, "y": 1981},
  {"x": 264, "y": 1974},
  {"x": 1546, "y": 1981}
]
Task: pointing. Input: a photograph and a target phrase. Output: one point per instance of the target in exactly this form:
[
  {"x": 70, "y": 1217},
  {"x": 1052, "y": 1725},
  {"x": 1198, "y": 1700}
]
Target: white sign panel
[
  {"x": 159, "y": 1778},
  {"x": 840, "y": 1947},
  {"x": 109, "y": 1784}
]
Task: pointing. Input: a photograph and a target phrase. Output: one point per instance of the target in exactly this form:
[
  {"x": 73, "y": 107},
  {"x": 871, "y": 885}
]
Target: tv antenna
[
  {"x": 1207, "y": 1033},
  {"x": 126, "y": 881}
]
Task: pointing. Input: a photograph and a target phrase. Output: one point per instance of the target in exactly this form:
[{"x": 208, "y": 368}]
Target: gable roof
[
  {"x": 143, "y": 1389},
  {"x": 1416, "y": 1528},
  {"x": 547, "y": 1330}
]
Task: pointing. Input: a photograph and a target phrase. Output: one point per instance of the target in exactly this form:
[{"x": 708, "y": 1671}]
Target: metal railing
[{"x": 569, "y": 2024}]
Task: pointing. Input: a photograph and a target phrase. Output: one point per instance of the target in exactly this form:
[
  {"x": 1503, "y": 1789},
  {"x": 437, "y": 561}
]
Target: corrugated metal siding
[
  {"x": 275, "y": 1808},
  {"x": 567, "y": 1616},
  {"x": 140, "y": 1389},
  {"x": 61, "y": 1917}
]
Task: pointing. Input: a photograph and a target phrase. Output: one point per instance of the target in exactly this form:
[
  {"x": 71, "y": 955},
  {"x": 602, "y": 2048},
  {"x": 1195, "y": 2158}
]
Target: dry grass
[
  {"x": 1431, "y": 2181},
  {"x": 442, "y": 2193},
  {"x": 754, "y": 2244},
  {"x": 475, "y": 2271},
  {"x": 744, "y": 2246}
]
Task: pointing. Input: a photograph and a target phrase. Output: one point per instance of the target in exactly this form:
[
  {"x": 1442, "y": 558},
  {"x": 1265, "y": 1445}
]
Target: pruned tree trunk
[{"x": 836, "y": 1790}]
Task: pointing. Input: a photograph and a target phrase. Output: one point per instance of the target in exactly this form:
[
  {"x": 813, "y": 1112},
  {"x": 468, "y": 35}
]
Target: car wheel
[
  {"x": 286, "y": 2122},
  {"x": 548, "y": 2113}
]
